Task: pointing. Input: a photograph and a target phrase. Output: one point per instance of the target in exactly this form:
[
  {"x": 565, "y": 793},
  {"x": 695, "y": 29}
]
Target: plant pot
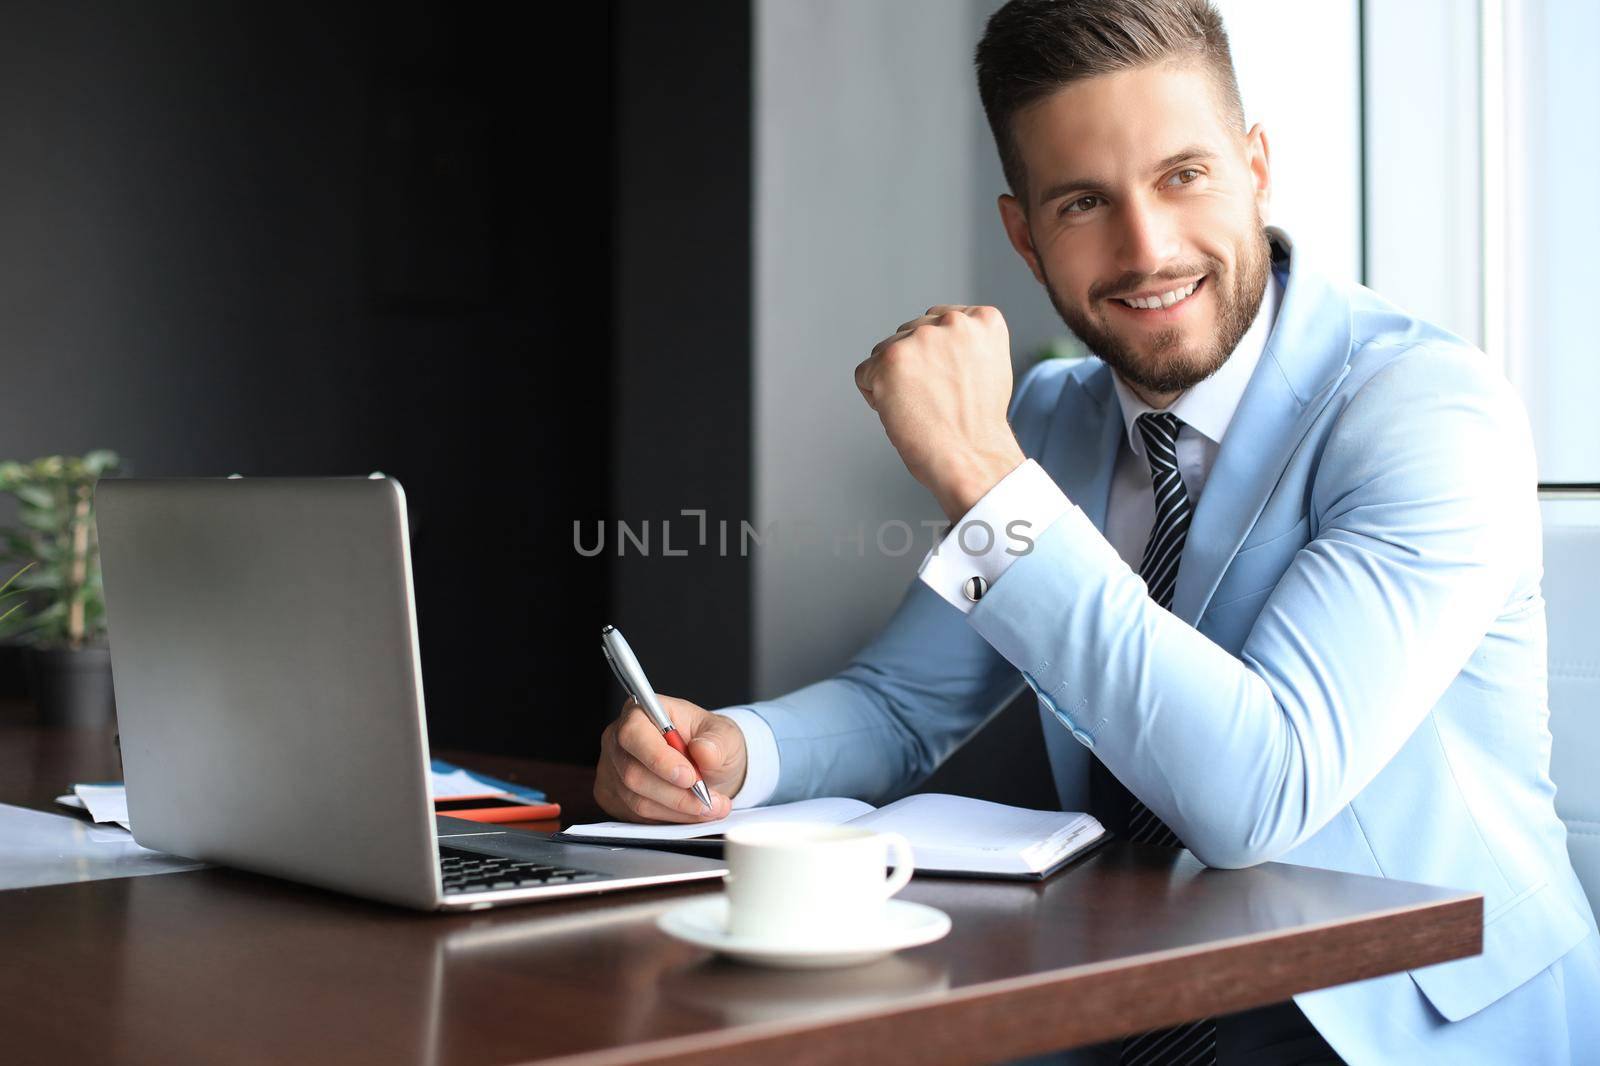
[{"x": 72, "y": 687}]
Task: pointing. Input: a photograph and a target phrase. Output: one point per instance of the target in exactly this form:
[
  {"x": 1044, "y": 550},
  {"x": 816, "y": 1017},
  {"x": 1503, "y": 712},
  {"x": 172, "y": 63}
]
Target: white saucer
[{"x": 704, "y": 923}]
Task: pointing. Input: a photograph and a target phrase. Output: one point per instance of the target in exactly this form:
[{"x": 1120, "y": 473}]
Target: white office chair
[{"x": 1572, "y": 595}]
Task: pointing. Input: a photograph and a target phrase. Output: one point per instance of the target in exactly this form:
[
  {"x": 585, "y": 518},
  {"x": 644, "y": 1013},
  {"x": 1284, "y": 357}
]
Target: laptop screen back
[{"x": 269, "y": 693}]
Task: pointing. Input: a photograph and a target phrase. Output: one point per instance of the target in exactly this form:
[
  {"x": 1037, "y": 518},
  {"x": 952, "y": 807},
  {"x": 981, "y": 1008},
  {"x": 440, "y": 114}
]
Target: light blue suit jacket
[{"x": 1352, "y": 675}]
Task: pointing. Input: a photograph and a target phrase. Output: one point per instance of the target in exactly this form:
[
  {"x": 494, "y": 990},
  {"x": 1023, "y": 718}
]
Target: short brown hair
[{"x": 1032, "y": 48}]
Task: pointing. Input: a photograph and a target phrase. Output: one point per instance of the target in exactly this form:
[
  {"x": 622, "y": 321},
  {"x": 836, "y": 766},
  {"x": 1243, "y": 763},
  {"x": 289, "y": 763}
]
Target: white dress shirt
[{"x": 1025, "y": 502}]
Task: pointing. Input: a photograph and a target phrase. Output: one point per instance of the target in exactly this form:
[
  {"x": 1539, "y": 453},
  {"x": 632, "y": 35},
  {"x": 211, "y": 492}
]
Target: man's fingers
[
  {"x": 708, "y": 753},
  {"x": 640, "y": 777},
  {"x": 638, "y": 737},
  {"x": 644, "y": 785},
  {"x": 866, "y": 370},
  {"x": 644, "y": 809},
  {"x": 864, "y": 382},
  {"x": 630, "y": 792},
  {"x": 625, "y": 807},
  {"x": 877, "y": 349}
]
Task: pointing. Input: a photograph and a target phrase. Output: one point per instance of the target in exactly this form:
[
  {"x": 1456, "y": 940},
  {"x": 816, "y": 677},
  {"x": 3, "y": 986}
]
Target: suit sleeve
[
  {"x": 1423, "y": 509},
  {"x": 913, "y": 695}
]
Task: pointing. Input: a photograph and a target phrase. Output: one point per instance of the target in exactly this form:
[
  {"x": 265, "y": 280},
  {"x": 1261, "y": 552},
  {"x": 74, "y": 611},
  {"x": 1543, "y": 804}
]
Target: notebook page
[
  {"x": 960, "y": 833},
  {"x": 833, "y": 810}
]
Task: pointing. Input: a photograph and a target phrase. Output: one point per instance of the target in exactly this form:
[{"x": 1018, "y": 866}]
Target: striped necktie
[
  {"x": 1195, "y": 1043},
  {"x": 1160, "y": 567}
]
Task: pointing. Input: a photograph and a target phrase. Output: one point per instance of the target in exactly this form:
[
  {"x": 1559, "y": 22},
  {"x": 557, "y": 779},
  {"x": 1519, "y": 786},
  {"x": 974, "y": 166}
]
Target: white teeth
[{"x": 1150, "y": 303}]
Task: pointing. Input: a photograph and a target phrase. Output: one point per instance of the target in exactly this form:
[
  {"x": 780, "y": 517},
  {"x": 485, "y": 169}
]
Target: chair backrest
[{"x": 1572, "y": 595}]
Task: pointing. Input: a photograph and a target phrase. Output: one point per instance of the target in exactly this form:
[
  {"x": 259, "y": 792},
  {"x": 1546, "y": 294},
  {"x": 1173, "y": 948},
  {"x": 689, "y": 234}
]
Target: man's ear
[
  {"x": 1258, "y": 155},
  {"x": 1015, "y": 220}
]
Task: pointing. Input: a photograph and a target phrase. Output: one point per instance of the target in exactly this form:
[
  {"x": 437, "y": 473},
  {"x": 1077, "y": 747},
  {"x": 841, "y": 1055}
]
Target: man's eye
[
  {"x": 1080, "y": 205},
  {"x": 1184, "y": 176}
]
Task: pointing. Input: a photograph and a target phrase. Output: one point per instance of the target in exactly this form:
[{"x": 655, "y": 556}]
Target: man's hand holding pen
[{"x": 641, "y": 778}]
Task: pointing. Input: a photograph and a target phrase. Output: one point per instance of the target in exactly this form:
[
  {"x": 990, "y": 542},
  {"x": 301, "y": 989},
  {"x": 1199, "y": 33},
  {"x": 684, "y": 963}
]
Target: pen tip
[{"x": 703, "y": 794}]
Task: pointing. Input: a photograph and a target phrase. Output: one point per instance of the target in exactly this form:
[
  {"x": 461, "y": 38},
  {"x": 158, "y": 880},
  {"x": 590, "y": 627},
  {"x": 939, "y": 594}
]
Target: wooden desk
[{"x": 217, "y": 966}]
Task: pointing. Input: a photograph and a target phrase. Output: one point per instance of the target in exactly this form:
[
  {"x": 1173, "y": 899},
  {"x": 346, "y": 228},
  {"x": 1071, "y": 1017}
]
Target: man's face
[{"x": 1140, "y": 188}]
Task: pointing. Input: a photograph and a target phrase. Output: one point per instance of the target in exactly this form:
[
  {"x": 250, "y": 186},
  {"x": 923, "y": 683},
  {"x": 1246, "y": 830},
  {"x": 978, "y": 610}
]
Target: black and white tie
[
  {"x": 1160, "y": 568},
  {"x": 1195, "y": 1043}
]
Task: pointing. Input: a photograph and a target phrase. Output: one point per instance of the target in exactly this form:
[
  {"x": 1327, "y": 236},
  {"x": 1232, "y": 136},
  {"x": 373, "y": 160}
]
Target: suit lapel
[
  {"x": 1080, "y": 450},
  {"x": 1305, "y": 357}
]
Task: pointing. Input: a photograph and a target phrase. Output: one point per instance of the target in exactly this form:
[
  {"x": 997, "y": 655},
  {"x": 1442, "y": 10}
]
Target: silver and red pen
[{"x": 626, "y": 666}]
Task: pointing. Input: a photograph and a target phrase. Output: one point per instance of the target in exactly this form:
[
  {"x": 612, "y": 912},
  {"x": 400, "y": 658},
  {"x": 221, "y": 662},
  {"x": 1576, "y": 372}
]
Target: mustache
[{"x": 1131, "y": 282}]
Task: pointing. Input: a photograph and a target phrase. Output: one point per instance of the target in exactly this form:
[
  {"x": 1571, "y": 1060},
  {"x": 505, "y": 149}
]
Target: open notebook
[{"x": 948, "y": 834}]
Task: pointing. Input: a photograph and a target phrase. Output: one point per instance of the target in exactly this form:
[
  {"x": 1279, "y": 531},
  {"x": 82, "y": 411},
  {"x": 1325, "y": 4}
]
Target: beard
[{"x": 1169, "y": 366}]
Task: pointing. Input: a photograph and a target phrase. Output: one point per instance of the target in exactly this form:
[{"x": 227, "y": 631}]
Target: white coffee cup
[{"x": 799, "y": 883}]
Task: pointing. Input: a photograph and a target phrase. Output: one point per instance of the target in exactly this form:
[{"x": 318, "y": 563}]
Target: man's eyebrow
[{"x": 1191, "y": 154}]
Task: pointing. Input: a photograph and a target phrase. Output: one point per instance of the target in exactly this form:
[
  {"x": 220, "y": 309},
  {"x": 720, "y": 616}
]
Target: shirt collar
[{"x": 1208, "y": 407}]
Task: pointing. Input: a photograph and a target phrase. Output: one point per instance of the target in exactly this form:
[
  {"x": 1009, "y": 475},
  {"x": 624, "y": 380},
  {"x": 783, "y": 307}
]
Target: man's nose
[{"x": 1149, "y": 238}]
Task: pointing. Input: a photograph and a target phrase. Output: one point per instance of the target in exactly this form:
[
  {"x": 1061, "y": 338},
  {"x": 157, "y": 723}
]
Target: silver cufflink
[{"x": 974, "y": 588}]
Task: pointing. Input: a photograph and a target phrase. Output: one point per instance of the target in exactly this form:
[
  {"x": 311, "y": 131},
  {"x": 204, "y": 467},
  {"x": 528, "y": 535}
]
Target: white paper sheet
[
  {"x": 976, "y": 825},
  {"x": 108, "y": 804},
  {"x": 105, "y": 803},
  {"x": 960, "y": 833},
  {"x": 832, "y": 810},
  {"x": 37, "y": 848}
]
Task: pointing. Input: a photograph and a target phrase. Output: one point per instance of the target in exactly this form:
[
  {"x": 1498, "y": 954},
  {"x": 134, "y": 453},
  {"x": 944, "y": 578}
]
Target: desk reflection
[
  {"x": 379, "y": 984},
  {"x": 179, "y": 963}
]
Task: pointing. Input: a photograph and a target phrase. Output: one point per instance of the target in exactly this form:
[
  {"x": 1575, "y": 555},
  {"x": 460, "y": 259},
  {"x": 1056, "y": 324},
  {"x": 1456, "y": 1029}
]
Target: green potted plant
[
  {"x": 69, "y": 664},
  {"x": 1065, "y": 346}
]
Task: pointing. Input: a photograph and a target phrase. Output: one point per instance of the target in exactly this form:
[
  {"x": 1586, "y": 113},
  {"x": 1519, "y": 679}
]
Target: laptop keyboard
[{"x": 471, "y": 871}]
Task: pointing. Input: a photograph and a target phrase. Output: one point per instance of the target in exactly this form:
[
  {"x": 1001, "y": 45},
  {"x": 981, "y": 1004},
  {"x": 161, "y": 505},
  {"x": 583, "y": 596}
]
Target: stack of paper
[{"x": 107, "y": 803}]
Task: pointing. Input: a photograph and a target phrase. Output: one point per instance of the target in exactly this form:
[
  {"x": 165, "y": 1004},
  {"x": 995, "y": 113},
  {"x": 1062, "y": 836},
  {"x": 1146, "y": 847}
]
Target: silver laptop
[{"x": 269, "y": 698}]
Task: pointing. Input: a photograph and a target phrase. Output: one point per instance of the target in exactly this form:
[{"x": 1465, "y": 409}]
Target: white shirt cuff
[
  {"x": 761, "y": 757},
  {"x": 999, "y": 530}
]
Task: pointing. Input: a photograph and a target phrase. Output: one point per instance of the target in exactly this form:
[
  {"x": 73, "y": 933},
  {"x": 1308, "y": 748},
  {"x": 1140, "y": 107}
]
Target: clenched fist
[
  {"x": 940, "y": 385},
  {"x": 642, "y": 778}
]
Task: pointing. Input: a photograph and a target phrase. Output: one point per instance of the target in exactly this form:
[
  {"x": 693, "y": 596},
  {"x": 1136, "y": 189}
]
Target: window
[
  {"x": 1542, "y": 220},
  {"x": 1480, "y": 141}
]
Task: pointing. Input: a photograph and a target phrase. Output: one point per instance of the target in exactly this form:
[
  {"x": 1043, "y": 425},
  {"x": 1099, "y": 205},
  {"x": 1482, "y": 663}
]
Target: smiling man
[{"x": 1270, "y": 563}]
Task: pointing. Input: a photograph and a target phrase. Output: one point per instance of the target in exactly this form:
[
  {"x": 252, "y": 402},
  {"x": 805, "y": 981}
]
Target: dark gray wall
[
  {"x": 681, "y": 420},
  {"x": 277, "y": 238},
  {"x": 506, "y": 254}
]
